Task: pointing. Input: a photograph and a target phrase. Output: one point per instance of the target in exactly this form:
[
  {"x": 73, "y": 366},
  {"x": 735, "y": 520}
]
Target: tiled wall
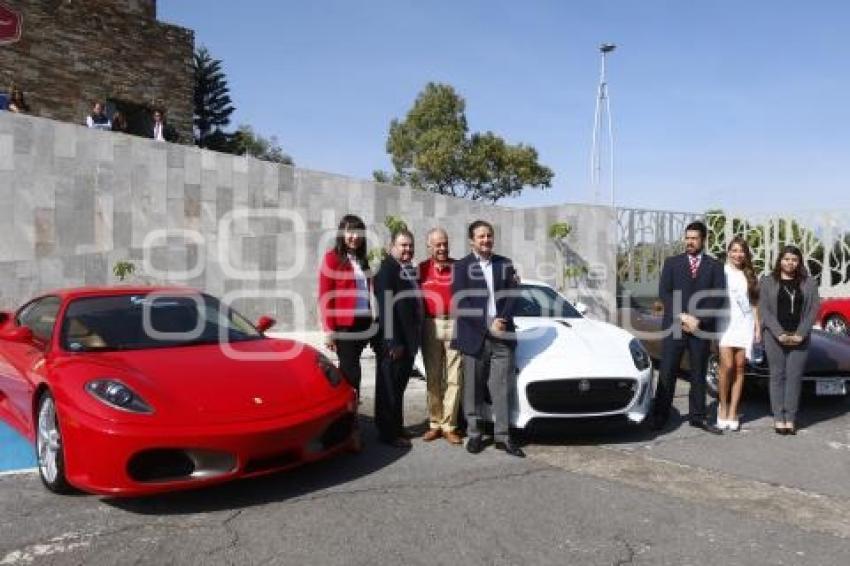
[{"x": 74, "y": 201}]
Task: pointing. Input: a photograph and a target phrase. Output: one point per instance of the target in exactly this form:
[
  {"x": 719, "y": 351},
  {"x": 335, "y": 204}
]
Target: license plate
[{"x": 830, "y": 387}]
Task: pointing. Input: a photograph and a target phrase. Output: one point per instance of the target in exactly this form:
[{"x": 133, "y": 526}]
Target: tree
[
  {"x": 431, "y": 149},
  {"x": 246, "y": 142},
  {"x": 212, "y": 102},
  {"x": 393, "y": 224}
]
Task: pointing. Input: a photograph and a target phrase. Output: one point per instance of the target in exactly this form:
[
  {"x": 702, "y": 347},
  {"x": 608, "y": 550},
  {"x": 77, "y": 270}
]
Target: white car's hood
[{"x": 573, "y": 347}]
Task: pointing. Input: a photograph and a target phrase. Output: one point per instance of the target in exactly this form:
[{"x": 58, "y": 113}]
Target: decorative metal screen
[{"x": 646, "y": 237}]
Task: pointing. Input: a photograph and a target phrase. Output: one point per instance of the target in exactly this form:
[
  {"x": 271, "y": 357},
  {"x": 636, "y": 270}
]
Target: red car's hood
[{"x": 204, "y": 385}]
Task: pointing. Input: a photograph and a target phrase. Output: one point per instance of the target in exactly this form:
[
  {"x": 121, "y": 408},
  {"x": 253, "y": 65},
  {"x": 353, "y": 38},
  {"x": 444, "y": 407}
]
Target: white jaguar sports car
[{"x": 569, "y": 366}]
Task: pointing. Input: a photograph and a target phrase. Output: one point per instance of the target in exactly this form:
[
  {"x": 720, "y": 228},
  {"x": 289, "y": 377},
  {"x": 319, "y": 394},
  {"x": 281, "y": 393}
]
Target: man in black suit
[
  {"x": 160, "y": 129},
  {"x": 400, "y": 321},
  {"x": 483, "y": 292},
  {"x": 693, "y": 290}
]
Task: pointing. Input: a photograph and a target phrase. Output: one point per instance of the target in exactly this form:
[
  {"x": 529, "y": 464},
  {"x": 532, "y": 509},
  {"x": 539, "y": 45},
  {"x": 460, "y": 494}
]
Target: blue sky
[{"x": 738, "y": 104}]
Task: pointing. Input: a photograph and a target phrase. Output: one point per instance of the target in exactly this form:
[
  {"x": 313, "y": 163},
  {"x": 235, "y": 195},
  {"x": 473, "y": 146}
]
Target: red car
[
  {"x": 834, "y": 315},
  {"x": 135, "y": 391}
]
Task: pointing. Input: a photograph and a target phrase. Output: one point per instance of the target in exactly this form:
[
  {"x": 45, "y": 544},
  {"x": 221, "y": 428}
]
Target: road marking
[
  {"x": 56, "y": 545},
  {"x": 22, "y": 472},
  {"x": 805, "y": 510}
]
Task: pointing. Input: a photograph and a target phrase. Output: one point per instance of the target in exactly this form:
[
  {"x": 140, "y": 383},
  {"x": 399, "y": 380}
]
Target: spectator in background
[
  {"x": 17, "y": 103},
  {"x": 119, "y": 123},
  {"x": 161, "y": 131},
  {"x": 98, "y": 119}
]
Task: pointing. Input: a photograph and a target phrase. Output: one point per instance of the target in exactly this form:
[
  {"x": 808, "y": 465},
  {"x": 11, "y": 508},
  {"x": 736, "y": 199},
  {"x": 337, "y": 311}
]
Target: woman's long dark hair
[
  {"x": 351, "y": 223},
  {"x": 801, "y": 273},
  {"x": 747, "y": 268}
]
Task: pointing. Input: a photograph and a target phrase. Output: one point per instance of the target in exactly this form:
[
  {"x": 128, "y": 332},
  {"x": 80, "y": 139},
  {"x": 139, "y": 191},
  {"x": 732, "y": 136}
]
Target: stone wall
[
  {"x": 74, "y": 53},
  {"x": 75, "y": 201}
]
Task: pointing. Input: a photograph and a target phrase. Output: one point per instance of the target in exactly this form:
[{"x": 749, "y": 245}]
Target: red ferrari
[
  {"x": 834, "y": 315},
  {"x": 136, "y": 391}
]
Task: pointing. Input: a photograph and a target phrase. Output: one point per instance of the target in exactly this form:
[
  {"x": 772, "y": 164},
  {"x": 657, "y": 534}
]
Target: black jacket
[
  {"x": 676, "y": 280},
  {"x": 400, "y": 309}
]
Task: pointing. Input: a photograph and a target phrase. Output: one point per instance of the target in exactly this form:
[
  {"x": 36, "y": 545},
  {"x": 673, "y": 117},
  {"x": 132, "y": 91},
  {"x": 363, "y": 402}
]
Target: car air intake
[
  {"x": 338, "y": 432},
  {"x": 579, "y": 396},
  {"x": 170, "y": 464},
  {"x": 160, "y": 465}
]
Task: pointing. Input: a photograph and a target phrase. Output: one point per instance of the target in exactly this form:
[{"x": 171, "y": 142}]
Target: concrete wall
[{"x": 74, "y": 201}]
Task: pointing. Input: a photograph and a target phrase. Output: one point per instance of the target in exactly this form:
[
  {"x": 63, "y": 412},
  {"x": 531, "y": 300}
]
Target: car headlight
[
  {"x": 117, "y": 395},
  {"x": 639, "y": 355},
  {"x": 329, "y": 370}
]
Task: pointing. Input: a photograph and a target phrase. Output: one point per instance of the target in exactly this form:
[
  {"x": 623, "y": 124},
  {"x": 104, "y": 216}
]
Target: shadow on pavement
[{"x": 277, "y": 487}]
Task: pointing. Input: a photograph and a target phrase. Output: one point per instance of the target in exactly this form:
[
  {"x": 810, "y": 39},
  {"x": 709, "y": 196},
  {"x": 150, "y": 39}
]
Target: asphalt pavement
[{"x": 590, "y": 493}]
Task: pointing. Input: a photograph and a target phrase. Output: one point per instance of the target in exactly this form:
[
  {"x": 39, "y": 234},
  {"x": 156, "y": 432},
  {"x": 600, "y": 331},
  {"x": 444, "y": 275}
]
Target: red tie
[{"x": 694, "y": 265}]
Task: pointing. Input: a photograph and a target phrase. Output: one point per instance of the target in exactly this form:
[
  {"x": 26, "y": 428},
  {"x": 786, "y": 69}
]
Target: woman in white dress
[{"x": 739, "y": 331}]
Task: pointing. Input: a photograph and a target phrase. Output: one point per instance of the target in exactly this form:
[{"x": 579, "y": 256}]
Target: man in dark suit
[
  {"x": 160, "y": 129},
  {"x": 400, "y": 321},
  {"x": 483, "y": 292},
  {"x": 693, "y": 290}
]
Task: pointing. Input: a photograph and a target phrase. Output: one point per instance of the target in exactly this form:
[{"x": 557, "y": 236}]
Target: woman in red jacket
[{"x": 344, "y": 286}]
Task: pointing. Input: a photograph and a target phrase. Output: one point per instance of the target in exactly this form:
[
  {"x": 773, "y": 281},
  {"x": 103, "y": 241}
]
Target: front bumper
[
  {"x": 577, "y": 397},
  {"x": 131, "y": 460}
]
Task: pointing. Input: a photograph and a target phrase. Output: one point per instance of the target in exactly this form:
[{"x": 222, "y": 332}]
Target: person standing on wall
[
  {"x": 442, "y": 362},
  {"x": 160, "y": 130},
  {"x": 693, "y": 290},
  {"x": 344, "y": 297},
  {"x": 98, "y": 119},
  {"x": 789, "y": 304},
  {"x": 483, "y": 291},
  {"x": 399, "y": 300},
  {"x": 16, "y": 102},
  {"x": 739, "y": 330}
]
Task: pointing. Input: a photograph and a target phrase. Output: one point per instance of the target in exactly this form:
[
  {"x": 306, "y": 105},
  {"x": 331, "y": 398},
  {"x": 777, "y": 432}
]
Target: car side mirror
[
  {"x": 581, "y": 308},
  {"x": 5, "y": 316},
  {"x": 265, "y": 323},
  {"x": 21, "y": 334}
]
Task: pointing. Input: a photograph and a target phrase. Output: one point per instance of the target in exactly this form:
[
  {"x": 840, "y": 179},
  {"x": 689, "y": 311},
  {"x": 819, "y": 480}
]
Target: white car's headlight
[
  {"x": 639, "y": 355},
  {"x": 115, "y": 394}
]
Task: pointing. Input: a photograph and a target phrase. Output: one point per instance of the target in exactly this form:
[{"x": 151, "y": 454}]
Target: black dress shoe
[
  {"x": 705, "y": 425},
  {"x": 475, "y": 444},
  {"x": 510, "y": 448}
]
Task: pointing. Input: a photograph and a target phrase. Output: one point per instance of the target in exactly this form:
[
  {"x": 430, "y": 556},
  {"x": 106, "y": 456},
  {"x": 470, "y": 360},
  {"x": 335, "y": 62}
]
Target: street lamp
[{"x": 602, "y": 115}]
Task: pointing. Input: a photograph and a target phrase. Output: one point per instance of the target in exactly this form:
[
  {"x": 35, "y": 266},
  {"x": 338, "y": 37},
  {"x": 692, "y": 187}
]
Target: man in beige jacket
[{"x": 442, "y": 363}]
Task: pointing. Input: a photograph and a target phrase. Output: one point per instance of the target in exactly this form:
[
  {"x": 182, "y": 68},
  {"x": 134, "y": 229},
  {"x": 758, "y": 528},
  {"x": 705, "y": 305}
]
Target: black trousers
[
  {"x": 391, "y": 377},
  {"x": 350, "y": 342},
  {"x": 671, "y": 359}
]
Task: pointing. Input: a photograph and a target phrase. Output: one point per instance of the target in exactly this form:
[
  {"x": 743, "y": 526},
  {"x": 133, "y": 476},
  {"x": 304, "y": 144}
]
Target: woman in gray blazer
[{"x": 788, "y": 303}]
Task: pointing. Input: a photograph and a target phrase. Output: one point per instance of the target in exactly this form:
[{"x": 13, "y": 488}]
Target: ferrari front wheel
[{"x": 48, "y": 447}]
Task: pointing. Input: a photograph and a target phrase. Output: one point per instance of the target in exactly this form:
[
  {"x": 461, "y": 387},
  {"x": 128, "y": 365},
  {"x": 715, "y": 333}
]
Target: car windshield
[
  {"x": 538, "y": 301},
  {"x": 155, "y": 320}
]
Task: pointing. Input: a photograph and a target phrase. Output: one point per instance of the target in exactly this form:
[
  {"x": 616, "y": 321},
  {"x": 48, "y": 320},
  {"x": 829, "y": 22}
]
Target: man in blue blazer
[
  {"x": 483, "y": 292},
  {"x": 693, "y": 290}
]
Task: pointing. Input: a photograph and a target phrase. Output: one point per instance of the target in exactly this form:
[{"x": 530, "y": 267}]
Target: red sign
[{"x": 11, "y": 23}]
